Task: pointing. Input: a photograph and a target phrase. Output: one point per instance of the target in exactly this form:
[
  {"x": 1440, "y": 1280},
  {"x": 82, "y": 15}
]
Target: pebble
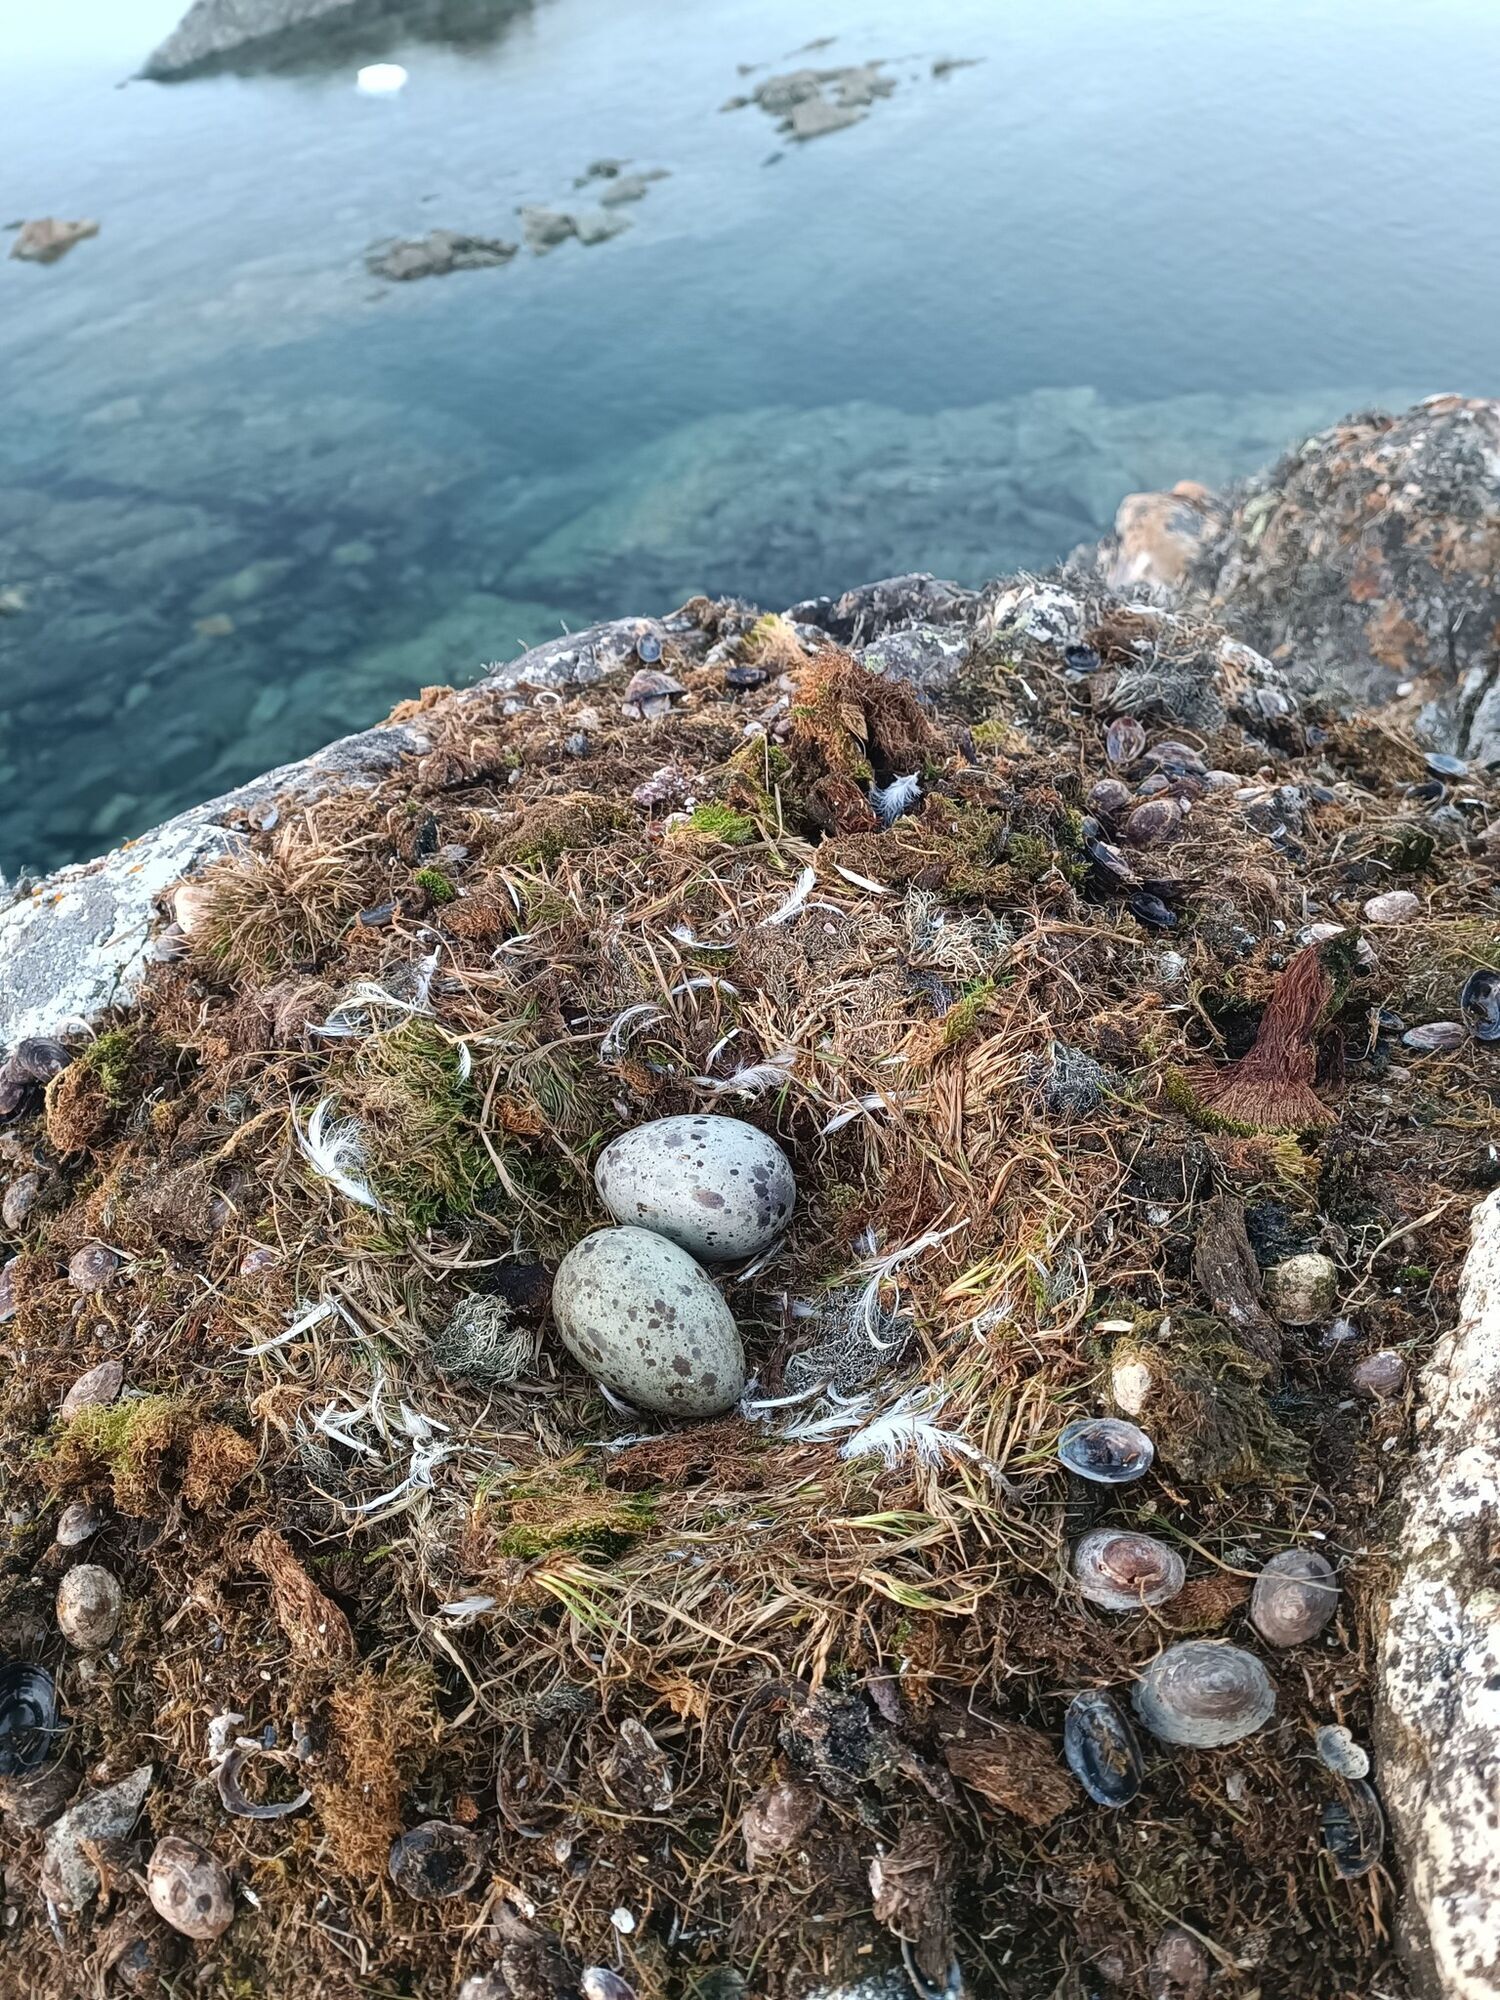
[
  {"x": 1301, "y": 1290},
  {"x": 89, "y": 1604},
  {"x": 91, "y": 1267},
  {"x": 1381, "y": 1375},
  {"x": 21, "y": 1197},
  {"x": 1393, "y": 906},
  {"x": 189, "y": 1888}
]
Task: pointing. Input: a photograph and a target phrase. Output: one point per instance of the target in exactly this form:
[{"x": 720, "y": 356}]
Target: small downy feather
[
  {"x": 909, "y": 1428},
  {"x": 898, "y": 797},
  {"x": 335, "y": 1148},
  {"x": 754, "y": 1079}
]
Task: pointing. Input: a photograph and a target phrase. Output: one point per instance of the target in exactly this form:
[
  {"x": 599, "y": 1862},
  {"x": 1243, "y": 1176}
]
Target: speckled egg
[
  {"x": 716, "y": 1186},
  {"x": 640, "y": 1316}
]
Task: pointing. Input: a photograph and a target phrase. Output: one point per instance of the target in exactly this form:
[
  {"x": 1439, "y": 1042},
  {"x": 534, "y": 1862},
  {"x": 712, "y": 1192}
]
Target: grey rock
[
  {"x": 1435, "y": 1724},
  {"x": 545, "y": 228},
  {"x": 929, "y": 656}
]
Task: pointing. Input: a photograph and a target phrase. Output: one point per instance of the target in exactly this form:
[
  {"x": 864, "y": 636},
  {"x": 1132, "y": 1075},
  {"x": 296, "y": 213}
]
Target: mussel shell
[
  {"x": 1123, "y": 1571},
  {"x": 1107, "y": 1450},
  {"x": 1354, "y": 1830},
  {"x": 1110, "y": 862},
  {"x": 1202, "y": 1693},
  {"x": 40, "y": 1058},
  {"x": 1152, "y": 911},
  {"x": 30, "y": 1726},
  {"x": 1436, "y": 1035},
  {"x": 434, "y": 1860},
  {"x": 1442, "y": 765},
  {"x": 1294, "y": 1597},
  {"x": 1479, "y": 1003},
  {"x": 1176, "y": 759},
  {"x": 1124, "y": 740},
  {"x": 1102, "y": 1749},
  {"x": 1082, "y": 659},
  {"x": 648, "y": 648}
]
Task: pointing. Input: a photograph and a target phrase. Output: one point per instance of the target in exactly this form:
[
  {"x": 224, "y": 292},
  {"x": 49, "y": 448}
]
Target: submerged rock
[
  {"x": 48, "y": 238},
  {"x": 436, "y": 254}
]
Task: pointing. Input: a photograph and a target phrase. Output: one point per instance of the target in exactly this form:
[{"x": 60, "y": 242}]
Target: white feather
[
  {"x": 909, "y": 1429},
  {"x": 862, "y": 881},
  {"x": 683, "y": 933},
  {"x": 850, "y": 1112},
  {"x": 612, "y": 1047},
  {"x": 806, "y": 882},
  {"x": 898, "y": 797},
  {"x": 334, "y": 1149},
  {"x": 754, "y": 1078},
  {"x": 303, "y": 1324}
]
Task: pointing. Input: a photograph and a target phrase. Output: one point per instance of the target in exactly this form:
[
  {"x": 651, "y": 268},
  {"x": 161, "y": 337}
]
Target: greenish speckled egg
[
  {"x": 716, "y": 1186},
  {"x": 639, "y": 1315}
]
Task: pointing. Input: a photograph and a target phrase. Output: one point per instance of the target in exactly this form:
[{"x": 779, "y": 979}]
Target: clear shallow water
[{"x": 252, "y": 495}]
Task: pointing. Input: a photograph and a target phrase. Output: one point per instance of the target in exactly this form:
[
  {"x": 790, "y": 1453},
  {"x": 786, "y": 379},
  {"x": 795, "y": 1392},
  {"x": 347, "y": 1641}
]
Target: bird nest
[{"x": 770, "y": 1705}]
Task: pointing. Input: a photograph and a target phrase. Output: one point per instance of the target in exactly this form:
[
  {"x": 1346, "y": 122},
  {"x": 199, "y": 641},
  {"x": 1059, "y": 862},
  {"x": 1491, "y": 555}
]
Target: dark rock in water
[
  {"x": 250, "y": 36},
  {"x": 436, "y": 254},
  {"x": 46, "y": 239}
]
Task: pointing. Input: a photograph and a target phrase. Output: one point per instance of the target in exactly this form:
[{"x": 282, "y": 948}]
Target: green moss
[
  {"x": 1207, "y": 1412},
  {"x": 718, "y": 825},
  {"x": 112, "y": 1058},
  {"x": 586, "y": 1523},
  {"x": 1030, "y": 856},
  {"x": 961, "y": 1018},
  {"x": 421, "y": 1117},
  {"x": 556, "y": 827},
  {"x": 436, "y": 883}
]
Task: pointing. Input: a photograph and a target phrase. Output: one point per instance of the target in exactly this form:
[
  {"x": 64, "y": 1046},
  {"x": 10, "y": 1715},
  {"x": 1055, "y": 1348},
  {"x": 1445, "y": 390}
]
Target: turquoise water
[{"x": 250, "y": 494}]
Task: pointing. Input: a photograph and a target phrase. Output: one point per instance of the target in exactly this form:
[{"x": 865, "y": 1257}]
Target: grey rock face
[{"x": 1438, "y": 1722}]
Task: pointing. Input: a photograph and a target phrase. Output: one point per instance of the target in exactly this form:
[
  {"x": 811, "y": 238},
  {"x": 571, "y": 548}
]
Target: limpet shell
[
  {"x": 1202, "y": 1694},
  {"x": 1294, "y": 1597},
  {"x": 1107, "y": 1450},
  {"x": 1124, "y": 1571}
]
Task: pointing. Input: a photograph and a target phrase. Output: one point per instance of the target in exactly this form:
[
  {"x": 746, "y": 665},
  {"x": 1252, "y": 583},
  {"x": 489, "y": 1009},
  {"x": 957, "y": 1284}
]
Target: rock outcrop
[
  {"x": 1439, "y": 1719},
  {"x": 1369, "y": 555},
  {"x": 274, "y": 34}
]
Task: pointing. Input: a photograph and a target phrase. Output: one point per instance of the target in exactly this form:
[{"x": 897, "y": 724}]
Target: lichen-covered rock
[
  {"x": 1438, "y": 1718},
  {"x": 1372, "y": 553},
  {"x": 1159, "y": 536}
]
